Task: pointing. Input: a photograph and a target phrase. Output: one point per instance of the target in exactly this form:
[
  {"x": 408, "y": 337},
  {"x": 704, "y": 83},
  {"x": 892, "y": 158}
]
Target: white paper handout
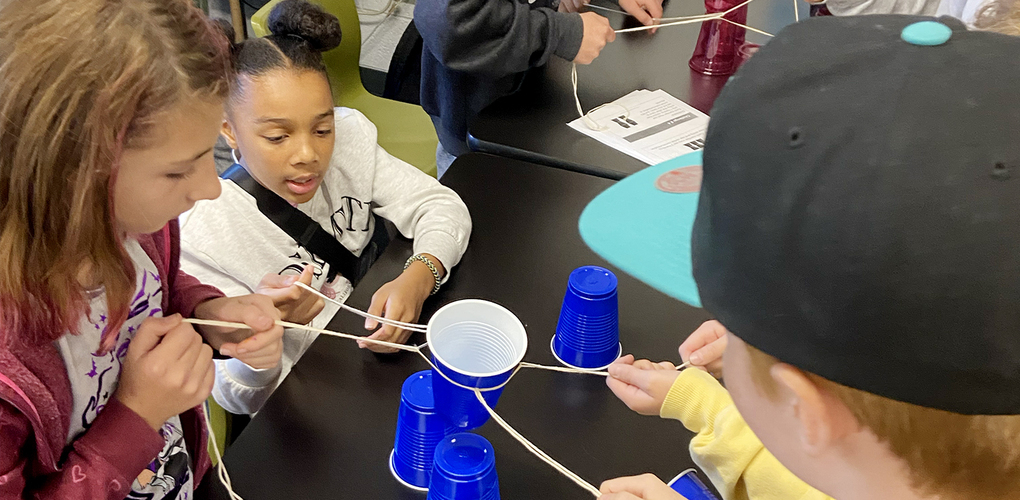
[{"x": 651, "y": 126}]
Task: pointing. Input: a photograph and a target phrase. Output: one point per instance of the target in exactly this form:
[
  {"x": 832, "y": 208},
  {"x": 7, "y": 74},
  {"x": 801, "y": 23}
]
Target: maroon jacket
[{"x": 35, "y": 408}]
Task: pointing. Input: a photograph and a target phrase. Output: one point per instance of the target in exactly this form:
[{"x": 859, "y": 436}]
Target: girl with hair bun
[{"x": 296, "y": 152}]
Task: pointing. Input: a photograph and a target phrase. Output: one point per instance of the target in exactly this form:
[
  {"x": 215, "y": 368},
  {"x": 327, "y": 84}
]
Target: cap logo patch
[
  {"x": 680, "y": 180},
  {"x": 927, "y": 33}
]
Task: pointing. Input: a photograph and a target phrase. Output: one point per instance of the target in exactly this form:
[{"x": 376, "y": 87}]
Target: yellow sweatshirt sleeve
[{"x": 725, "y": 448}]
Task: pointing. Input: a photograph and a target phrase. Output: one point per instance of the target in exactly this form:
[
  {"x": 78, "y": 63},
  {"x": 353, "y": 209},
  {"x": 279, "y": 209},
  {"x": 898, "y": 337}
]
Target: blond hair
[
  {"x": 1010, "y": 23},
  {"x": 948, "y": 454},
  {"x": 80, "y": 81}
]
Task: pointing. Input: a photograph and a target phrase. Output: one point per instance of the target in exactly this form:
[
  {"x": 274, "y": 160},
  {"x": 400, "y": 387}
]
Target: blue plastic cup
[
  {"x": 477, "y": 344},
  {"x": 465, "y": 469},
  {"x": 419, "y": 430},
  {"x": 687, "y": 484},
  {"x": 588, "y": 332}
]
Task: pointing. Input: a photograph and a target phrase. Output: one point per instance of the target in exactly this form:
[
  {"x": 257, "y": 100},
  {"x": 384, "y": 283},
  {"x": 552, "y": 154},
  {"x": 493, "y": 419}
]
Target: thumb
[
  {"x": 623, "y": 495},
  {"x": 709, "y": 353},
  {"x": 630, "y": 375},
  {"x": 273, "y": 281},
  {"x": 151, "y": 332},
  {"x": 306, "y": 276}
]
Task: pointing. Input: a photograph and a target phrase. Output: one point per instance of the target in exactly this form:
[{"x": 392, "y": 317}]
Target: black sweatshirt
[{"x": 476, "y": 51}]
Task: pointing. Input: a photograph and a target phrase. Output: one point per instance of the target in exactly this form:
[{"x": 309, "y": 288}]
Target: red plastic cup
[{"x": 718, "y": 48}]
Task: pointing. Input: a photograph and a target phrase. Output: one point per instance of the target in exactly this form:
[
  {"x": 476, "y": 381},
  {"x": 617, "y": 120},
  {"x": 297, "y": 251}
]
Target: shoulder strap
[{"x": 302, "y": 228}]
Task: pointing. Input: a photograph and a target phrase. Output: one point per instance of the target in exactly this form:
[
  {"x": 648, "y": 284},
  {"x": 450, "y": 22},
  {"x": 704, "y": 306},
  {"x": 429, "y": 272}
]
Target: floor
[{"x": 380, "y": 33}]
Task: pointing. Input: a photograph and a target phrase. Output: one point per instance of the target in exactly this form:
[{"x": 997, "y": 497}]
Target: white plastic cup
[{"x": 475, "y": 343}]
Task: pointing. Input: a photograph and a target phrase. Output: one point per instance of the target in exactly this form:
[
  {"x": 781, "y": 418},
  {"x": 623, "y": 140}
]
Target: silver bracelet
[{"x": 432, "y": 267}]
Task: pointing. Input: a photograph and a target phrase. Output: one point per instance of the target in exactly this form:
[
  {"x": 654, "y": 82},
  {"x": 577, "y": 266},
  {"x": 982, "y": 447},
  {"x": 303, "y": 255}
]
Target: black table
[
  {"x": 328, "y": 430},
  {"x": 531, "y": 125}
]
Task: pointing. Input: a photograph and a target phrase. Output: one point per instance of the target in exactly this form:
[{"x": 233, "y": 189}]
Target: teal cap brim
[{"x": 646, "y": 232}]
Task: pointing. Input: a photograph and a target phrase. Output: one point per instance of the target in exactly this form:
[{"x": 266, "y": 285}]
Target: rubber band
[
  {"x": 391, "y": 322},
  {"x": 535, "y": 450}
]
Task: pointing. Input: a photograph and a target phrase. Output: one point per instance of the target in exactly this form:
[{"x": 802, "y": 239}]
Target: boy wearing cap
[{"x": 855, "y": 234}]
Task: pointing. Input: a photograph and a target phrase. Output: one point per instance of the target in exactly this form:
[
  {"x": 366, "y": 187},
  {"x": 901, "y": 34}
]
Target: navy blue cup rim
[
  {"x": 552, "y": 348},
  {"x": 393, "y": 470}
]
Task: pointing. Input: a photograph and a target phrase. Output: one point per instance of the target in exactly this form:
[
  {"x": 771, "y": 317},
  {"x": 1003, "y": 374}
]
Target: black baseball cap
[{"x": 859, "y": 213}]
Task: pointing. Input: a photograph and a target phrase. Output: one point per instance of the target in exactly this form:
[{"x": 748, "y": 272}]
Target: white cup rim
[{"x": 517, "y": 322}]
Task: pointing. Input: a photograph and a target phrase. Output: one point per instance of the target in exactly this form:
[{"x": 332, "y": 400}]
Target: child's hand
[
  {"x": 646, "y": 11},
  {"x": 296, "y": 304},
  {"x": 401, "y": 300},
  {"x": 641, "y": 385},
  {"x": 597, "y": 33},
  {"x": 168, "y": 370},
  {"x": 645, "y": 487},
  {"x": 261, "y": 346},
  {"x": 704, "y": 348}
]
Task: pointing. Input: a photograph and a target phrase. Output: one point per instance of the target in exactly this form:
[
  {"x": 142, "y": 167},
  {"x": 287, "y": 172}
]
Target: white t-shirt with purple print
[{"x": 94, "y": 379}]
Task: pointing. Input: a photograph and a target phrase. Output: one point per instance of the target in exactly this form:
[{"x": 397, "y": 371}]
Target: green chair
[
  {"x": 405, "y": 130},
  {"x": 219, "y": 419}
]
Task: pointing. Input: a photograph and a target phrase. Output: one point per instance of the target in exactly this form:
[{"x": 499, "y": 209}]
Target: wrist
[
  {"x": 435, "y": 269},
  {"x": 208, "y": 310},
  {"x": 422, "y": 277},
  {"x": 155, "y": 422}
]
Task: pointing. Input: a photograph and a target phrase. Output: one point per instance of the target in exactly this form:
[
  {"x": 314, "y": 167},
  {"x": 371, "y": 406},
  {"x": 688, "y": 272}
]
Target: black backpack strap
[{"x": 308, "y": 233}]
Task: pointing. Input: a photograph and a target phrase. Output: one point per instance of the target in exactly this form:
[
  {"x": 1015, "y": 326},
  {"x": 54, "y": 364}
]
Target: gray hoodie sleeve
[{"x": 497, "y": 37}]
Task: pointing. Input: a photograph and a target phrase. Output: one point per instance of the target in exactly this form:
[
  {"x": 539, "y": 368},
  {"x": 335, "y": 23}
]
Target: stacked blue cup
[
  {"x": 465, "y": 469},
  {"x": 588, "y": 332},
  {"x": 419, "y": 430},
  {"x": 687, "y": 484},
  {"x": 474, "y": 344}
]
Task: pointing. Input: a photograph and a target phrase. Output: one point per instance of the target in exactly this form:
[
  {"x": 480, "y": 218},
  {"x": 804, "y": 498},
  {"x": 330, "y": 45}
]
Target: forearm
[{"x": 498, "y": 37}]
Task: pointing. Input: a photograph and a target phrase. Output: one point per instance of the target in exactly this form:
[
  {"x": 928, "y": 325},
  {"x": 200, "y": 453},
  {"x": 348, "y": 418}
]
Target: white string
[
  {"x": 673, "y": 21},
  {"x": 588, "y": 121},
  {"x": 414, "y": 327},
  {"x": 225, "y": 478},
  {"x": 285, "y": 324},
  {"x": 390, "y": 6},
  {"x": 535, "y": 450},
  {"x": 796, "y": 13},
  {"x": 617, "y": 11},
  {"x": 221, "y": 469},
  {"x": 679, "y": 21},
  {"x": 746, "y": 27}
]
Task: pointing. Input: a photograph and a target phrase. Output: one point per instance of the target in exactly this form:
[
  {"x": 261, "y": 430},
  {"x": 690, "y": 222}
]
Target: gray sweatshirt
[{"x": 229, "y": 244}]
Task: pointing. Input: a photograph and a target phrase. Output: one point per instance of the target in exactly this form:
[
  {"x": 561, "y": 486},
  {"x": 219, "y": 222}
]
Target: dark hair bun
[
  {"x": 226, "y": 29},
  {"x": 306, "y": 20}
]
